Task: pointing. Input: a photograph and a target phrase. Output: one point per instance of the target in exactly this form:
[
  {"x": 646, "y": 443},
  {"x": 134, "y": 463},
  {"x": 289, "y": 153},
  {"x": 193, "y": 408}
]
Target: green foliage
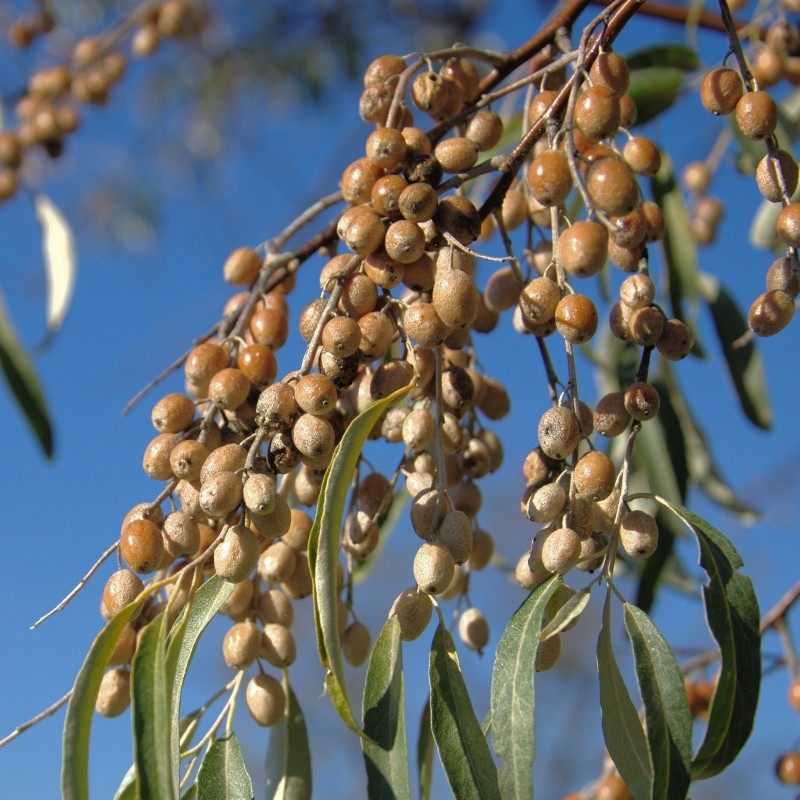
[
  {"x": 223, "y": 775},
  {"x": 288, "y": 756},
  {"x": 512, "y": 695},
  {"x": 462, "y": 747},
  {"x": 386, "y": 756}
]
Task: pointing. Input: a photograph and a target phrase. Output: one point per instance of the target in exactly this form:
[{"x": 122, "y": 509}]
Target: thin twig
[
  {"x": 83, "y": 581},
  {"x": 49, "y": 711}
]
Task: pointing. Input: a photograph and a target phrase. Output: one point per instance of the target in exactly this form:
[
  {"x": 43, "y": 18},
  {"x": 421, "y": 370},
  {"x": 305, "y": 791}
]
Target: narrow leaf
[
  {"x": 622, "y": 729},
  {"x": 128, "y": 789},
  {"x": 571, "y": 610},
  {"x": 323, "y": 548},
  {"x": 652, "y": 456},
  {"x": 288, "y": 756},
  {"x": 700, "y": 464},
  {"x": 23, "y": 383},
  {"x": 182, "y": 643},
  {"x": 654, "y": 90},
  {"x": 384, "y": 719},
  {"x": 680, "y": 251},
  {"x": 733, "y": 618},
  {"x": 512, "y": 693},
  {"x": 664, "y": 55},
  {"x": 223, "y": 774},
  {"x": 463, "y": 751},
  {"x": 425, "y": 752},
  {"x": 58, "y": 246},
  {"x": 80, "y": 709},
  {"x": 744, "y": 363},
  {"x": 150, "y": 713},
  {"x": 666, "y": 709}
]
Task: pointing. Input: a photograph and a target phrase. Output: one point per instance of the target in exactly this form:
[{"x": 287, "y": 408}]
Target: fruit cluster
[{"x": 243, "y": 451}]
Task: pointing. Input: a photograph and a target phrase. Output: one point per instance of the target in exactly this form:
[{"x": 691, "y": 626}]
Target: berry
[
  {"x": 386, "y": 148},
  {"x": 720, "y": 91},
  {"x": 787, "y": 768},
  {"x": 787, "y": 225},
  {"x": 404, "y": 242},
  {"x": 456, "y": 154},
  {"x": 772, "y": 171},
  {"x": 473, "y": 629},
  {"x": 141, "y": 546},
  {"x": 583, "y": 248},
  {"x": 642, "y": 400},
  {"x": 559, "y": 432},
  {"x": 594, "y": 476},
  {"x": 220, "y": 494},
  {"x": 546, "y": 503},
  {"x": 597, "y": 112},
  {"x": 356, "y": 642},
  {"x": 637, "y": 291},
  {"x": 385, "y": 194},
  {"x": 277, "y": 645},
  {"x": 181, "y": 534},
  {"x": 676, "y": 340},
  {"x": 157, "y": 454},
  {"x": 794, "y": 694},
  {"x": 121, "y": 589},
  {"x": 638, "y": 534},
  {"x": 458, "y": 216},
  {"x": 455, "y": 298},
  {"x": 756, "y": 115},
  {"x": 611, "y": 70},
  {"x": 547, "y": 653},
  {"x": 433, "y": 567},
  {"x": 358, "y": 180},
  {"x": 576, "y": 318},
  {"x": 646, "y": 325},
  {"x": 612, "y": 186},
  {"x": 770, "y": 313},
  {"x": 539, "y": 299},
  {"x": 315, "y": 394},
  {"x": 237, "y": 554},
  {"x": 413, "y": 610},
  {"x": 696, "y": 177},
  {"x": 784, "y": 275},
  {"x": 172, "y": 413},
  {"x": 242, "y": 266},
  {"x": 114, "y": 695},
  {"x": 642, "y": 156},
  {"x": 229, "y": 388},
  {"x": 257, "y": 362},
  {"x": 241, "y": 644},
  {"x": 485, "y": 129},
  {"x": 549, "y": 178},
  {"x": 265, "y": 700}
]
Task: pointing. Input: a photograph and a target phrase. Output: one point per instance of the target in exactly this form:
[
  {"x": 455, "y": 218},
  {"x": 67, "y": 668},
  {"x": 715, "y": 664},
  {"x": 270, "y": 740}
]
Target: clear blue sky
[{"x": 135, "y": 311}]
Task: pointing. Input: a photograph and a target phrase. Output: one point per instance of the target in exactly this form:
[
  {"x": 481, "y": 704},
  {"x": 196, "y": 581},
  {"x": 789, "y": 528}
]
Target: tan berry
[
  {"x": 638, "y": 534},
  {"x": 413, "y": 610},
  {"x": 559, "y": 432},
  {"x": 265, "y": 700},
  {"x": 770, "y": 313},
  {"x": 473, "y": 629},
  {"x": 549, "y": 178},
  {"x": 720, "y": 90},
  {"x": 776, "y": 172},
  {"x": 237, "y": 554},
  {"x": 642, "y": 400},
  {"x": 576, "y": 318}
]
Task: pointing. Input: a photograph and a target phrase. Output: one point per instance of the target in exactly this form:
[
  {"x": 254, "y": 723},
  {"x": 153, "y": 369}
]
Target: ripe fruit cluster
[
  {"x": 756, "y": 116},
  {"x": 241, "y": 452}
]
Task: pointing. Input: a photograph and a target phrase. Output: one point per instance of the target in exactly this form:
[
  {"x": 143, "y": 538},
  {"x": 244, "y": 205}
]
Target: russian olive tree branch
[
  {"x": 49, "y": 711},
  {"x": 614, "y": 20},
  {"x": 552, "y": 378},
  {"x": 611, "y": 553},
  {"x": 209, "y": 735},
  {"x": 781, "y": 608},
  {"x": 275, "y": 244},
  {"x": 81, "y": 583},
  {"x": 672, "y": 12}
]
